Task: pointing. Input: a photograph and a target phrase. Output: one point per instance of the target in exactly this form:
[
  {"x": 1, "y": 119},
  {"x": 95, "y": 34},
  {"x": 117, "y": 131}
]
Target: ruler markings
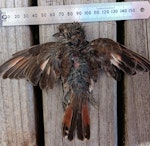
[{"x": 71, "y": 13}]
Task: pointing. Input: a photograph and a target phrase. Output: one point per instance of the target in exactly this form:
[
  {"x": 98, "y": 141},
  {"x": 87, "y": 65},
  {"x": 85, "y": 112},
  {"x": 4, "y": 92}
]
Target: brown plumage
[{"x": 76, "y": 62}]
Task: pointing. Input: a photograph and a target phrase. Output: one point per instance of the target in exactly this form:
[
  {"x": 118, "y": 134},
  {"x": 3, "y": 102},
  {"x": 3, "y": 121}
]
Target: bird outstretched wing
[
  {"x": 77, "y": 62},
  {"x": 38, "y": 64},
  {"x": 113, "y": 58}
]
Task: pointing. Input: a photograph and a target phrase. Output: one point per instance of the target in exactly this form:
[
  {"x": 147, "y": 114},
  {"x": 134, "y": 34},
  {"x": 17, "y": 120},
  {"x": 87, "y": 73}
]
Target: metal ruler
[{"x": 72, "y": 13}]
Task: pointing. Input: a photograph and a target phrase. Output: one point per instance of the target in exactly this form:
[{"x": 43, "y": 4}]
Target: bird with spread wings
[{"x": 77, "y": 63}]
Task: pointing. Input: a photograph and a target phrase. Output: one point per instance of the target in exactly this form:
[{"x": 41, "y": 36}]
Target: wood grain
[
  {"x": 137, "y": 88},
  {"x": 17, "y": 117},
  {"x": 103, "y": 115},
  {"x": 17, "y": 107}
]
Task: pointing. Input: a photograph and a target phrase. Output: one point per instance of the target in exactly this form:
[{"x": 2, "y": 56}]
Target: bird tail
[{"x": 77, "y": 116}]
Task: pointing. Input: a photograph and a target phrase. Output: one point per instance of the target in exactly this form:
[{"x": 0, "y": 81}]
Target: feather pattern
[
  {"x": 77, "y": 63},
  {"x": 114, "y": 57},
  {"x": 35, "y": 64},
  {"x": 76, "y": 113}
]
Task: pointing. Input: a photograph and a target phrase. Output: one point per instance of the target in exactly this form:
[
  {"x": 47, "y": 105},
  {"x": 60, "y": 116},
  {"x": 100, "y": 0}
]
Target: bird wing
[
  {"x": 38, "y": 64},
  {"x": 113, "y": 58}
]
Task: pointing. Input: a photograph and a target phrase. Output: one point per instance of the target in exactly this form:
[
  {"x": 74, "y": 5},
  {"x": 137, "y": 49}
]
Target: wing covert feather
[
  {"x": 113, "y": 58},
  {"x": 36, "y": 64}
]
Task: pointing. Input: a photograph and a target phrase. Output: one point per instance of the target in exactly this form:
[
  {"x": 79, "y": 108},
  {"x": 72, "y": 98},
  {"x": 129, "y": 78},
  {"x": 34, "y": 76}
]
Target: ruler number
[
  {"x": 43, "y": 14},
  {"x": 61, "y": 13},
  {"x": 123, "y": 10},
  {"x": 79, "y": 13},
  {"x": 114, "y": 11},
  {"x": 87, "y": 12},
  {"x": 105, "y": 11},
  {"x": 52, "y": 14},
  {"x": 17, "y": 16},
  {"x": 131, "y": 10},
  {"x": 70, "y": 13},
  {"x": 96, "y": 12},
  {"x": 25, "y": 16},
  {"x": 34, "y": 15}
]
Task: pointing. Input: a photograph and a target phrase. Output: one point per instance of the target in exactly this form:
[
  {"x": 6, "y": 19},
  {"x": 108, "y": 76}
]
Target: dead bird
[{"x": 76, "y": 62}]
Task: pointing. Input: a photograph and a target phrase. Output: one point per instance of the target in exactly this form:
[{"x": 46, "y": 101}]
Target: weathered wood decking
[
  {"x": 17, "y": 114},
  {"x": 137, "y": 88},
  {"x": 18, "y": 123}
]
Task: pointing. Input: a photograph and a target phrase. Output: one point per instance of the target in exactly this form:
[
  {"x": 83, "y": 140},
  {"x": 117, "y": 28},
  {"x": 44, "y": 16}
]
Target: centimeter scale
[{"x": 72, "y": 13}]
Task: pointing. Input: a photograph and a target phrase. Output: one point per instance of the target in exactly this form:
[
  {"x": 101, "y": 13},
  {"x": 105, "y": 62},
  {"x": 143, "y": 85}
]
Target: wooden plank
[
  {"x": 137, "y": 88},
  {"x": 17, "y": 117},
  {"x": 103, "y": 116}
]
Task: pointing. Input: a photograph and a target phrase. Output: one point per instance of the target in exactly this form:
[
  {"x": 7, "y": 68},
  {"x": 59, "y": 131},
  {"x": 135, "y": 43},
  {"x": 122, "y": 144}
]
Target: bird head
[{"x": 71, "y": 33}]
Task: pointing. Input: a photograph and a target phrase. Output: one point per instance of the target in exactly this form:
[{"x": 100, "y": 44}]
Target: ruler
[{"x": 74, "y": 13}]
